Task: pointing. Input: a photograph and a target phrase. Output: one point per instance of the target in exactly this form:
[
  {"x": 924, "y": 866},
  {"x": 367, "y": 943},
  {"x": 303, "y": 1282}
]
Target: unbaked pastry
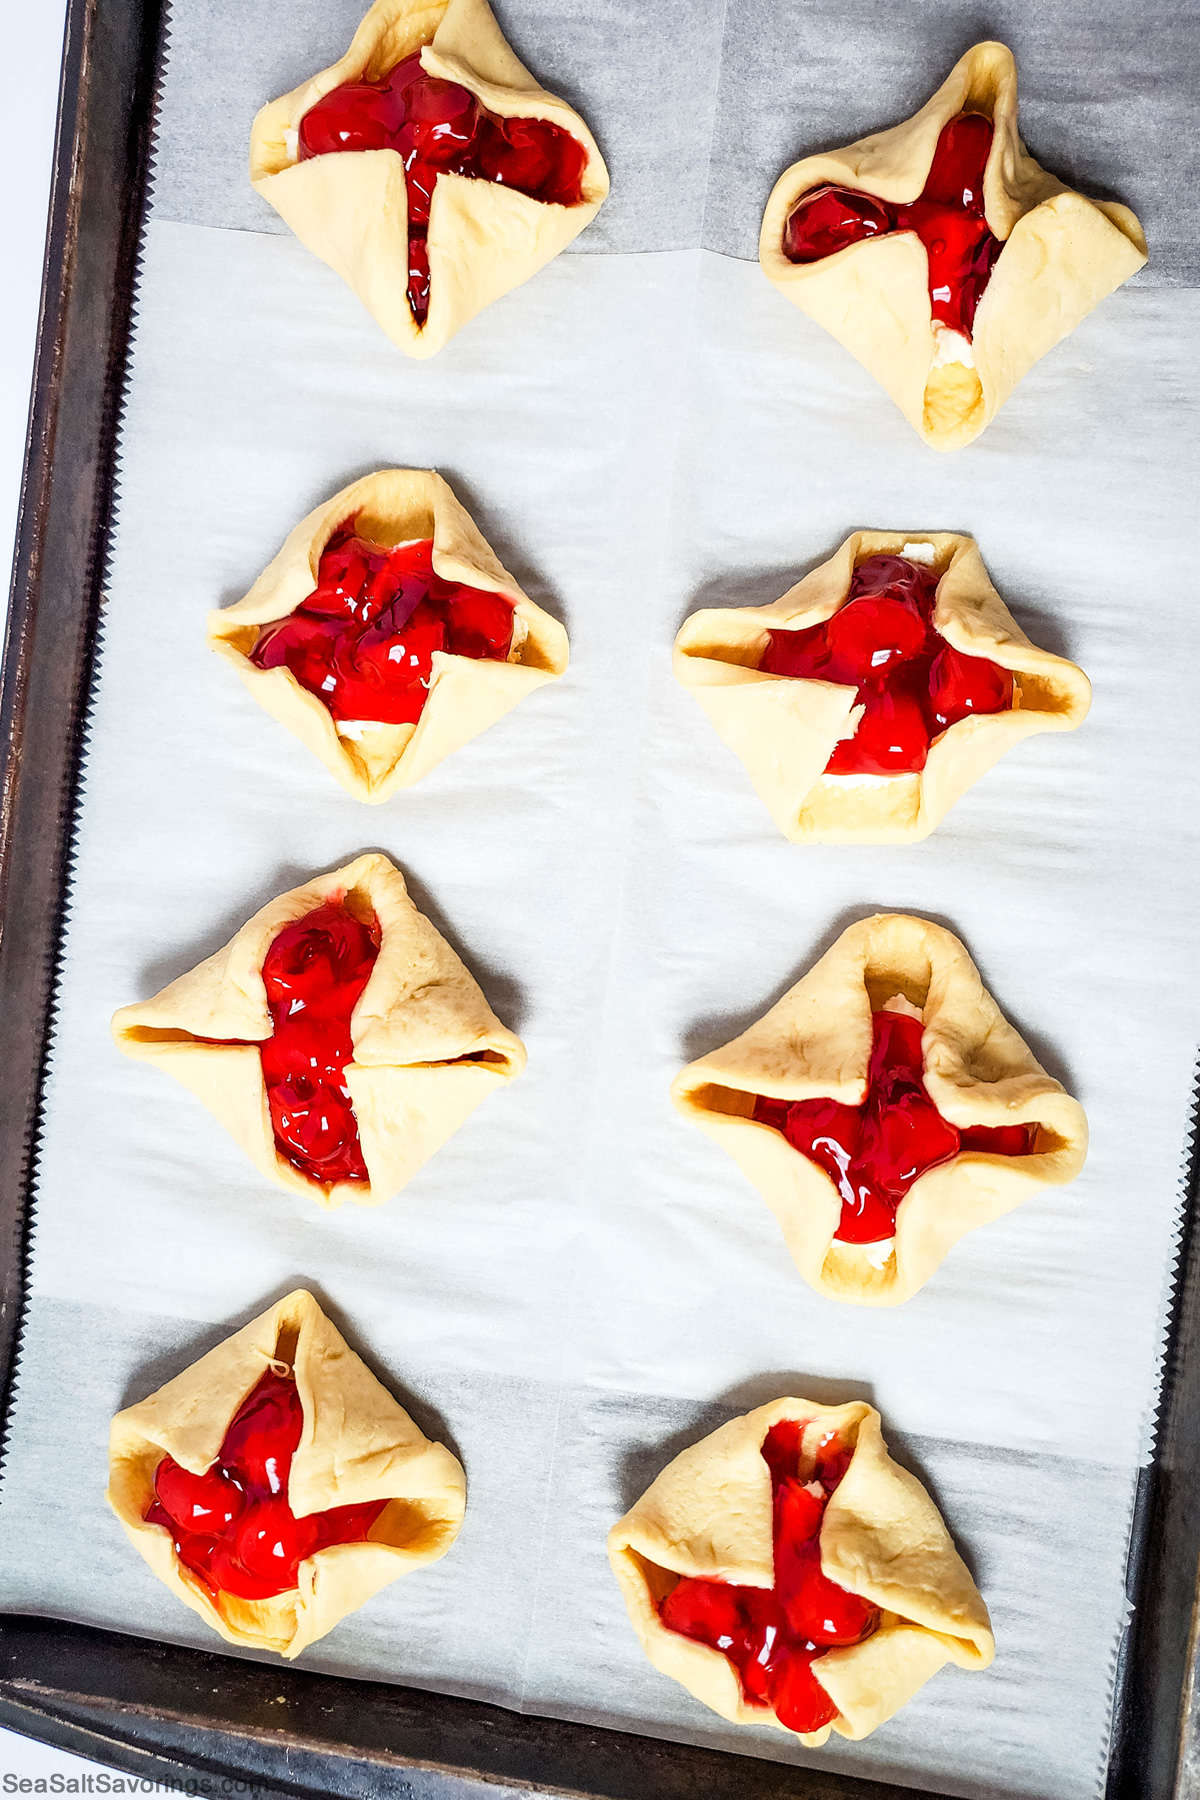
[
  {"x": 408, "y": 1044},
  {"x": 352, "y": 207},
  {"x": 852, "y": 1540},
  {"x": 787, "y": 729},
  {"x": 466, "y": 692},
  {"x": 986, "y": 1124},
  {"x": 1051, "y": 254},
  {"x": 354, "y": 1448}
]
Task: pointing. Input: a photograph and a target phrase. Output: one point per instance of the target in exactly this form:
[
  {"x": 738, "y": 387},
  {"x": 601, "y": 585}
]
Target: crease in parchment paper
[{"x": 698, "y": 105}]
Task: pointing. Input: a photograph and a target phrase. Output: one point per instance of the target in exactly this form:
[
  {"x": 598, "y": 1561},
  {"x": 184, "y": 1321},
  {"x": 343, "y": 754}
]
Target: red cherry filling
[
  {"x": 440, "y": 128},
  {"x": 948, "y": 217},
  {"x": 363, "y": 641},
  {"x": 874, "y": 1152},
  {"x": 912, "y": 684},
  {"x": 773, "y": 1636},
  {"x": 314, "y": 972},
  {"x": 233, "y": 1526}
]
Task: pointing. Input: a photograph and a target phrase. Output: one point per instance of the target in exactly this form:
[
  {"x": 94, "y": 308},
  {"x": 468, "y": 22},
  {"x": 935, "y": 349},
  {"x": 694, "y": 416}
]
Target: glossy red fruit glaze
[
  {"x": 874, "y": 1152},
  {"x": 948, "y": 217},
  {"x": 314, "y": 972},
  {"x": 440, "y": 128},
  {"x": 773, "y": 1636},
  {"x": 912, "y": 684},
  {"x": 233, "y": 1526},
  {"x": 363, "y": 641}
]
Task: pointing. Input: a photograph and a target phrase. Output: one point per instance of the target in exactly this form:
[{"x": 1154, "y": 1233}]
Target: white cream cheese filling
[
  {"x": 863, "y": 781},
  {"x": 878, "y": 1255},
  {"x": 920, "y": 553},
  {"x": 898, "y": 1004},
  {"x": 950, "y": 346},
  {"x": 358, "y": 729}
]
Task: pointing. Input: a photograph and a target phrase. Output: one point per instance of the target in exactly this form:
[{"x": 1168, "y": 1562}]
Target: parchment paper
[
  {"x": 579, "y": 1284},
  {"x": 699, "y": 104}
]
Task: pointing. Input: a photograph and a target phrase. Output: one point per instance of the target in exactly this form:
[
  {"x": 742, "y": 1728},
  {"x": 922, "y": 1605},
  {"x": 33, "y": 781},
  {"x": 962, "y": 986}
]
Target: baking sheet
[{"x": 579, "y": 1283}]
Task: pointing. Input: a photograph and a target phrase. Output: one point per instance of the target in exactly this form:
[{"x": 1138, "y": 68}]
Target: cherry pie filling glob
[
  {"x": 314, "y": 972},
  {"x": 363, "y": 641},
  {"x": 948, "y": 217},
  {"x": 232, "y": 1526},
  {"x": 772, "y": 1636},
  {"x": 439, "y": 128},
  {"x": 874, "y": 1152},
  {"x": 911, "y": 682}
]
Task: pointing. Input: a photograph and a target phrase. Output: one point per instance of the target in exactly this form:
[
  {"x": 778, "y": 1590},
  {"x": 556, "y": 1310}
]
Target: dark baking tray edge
[{"x": 198, "y": 1720}]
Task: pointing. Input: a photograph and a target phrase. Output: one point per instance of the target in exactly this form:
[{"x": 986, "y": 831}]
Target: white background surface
[
  {"x": 29, "y": 104},
  {"x": 29, "y": 99}
]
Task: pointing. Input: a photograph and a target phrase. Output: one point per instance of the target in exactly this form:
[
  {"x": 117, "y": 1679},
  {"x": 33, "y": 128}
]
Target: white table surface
[{"x": 29, "y": 102}]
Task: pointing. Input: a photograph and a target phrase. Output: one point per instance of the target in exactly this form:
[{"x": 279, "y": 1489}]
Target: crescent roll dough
[
  {"x": 784, "y": 728},
  {"x": 358, "y": 1445},
  {"x": 709, "y": 1514},
  {"x": 350, "y": 208},
  {"x": 816, "y": 1042},
  {"x": 466, "y": 693},
  {"x": 427, "y": 1046},
  {"x": 1062, "y": 255}
]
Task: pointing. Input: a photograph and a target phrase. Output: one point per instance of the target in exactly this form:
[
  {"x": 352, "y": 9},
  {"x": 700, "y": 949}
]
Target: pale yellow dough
[
  {"x": 358, "y": 1445},
  {"x": 351, "y": 208},
  {"x": 816, "y": 1042},
  {"x": 709, "y": 1515},
  {"x": 466, "y": 694},
  {"x": 784, "y": 729},
  {"x": 427, "y": 1046},
  {"x": 1062, "y": 255}
]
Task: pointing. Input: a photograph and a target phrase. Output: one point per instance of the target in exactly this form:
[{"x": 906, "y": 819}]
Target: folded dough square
[
  {"x": 869, "y": 698},
  {"x": 385, "y": 634},
  {"x": 275, "y": 1486},
  {"x": 337, "y": 1037},
  {"x": 883, "y": 1108},
  {"x": 787, "y": 1572},
  {"x": 941, "y": 255},
  {"x": 428, "y": 168}
]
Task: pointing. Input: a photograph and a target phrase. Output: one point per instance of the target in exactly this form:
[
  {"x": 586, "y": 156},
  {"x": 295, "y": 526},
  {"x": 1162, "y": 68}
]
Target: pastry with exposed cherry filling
[
  {"x": 942, "y": 255},
  {"x": 337, "y": 1037},
  {"x": 275, "y": 1485},
  {"x": 428, "y": 168},
  {"x": 787, "y": 1572},
  {"x": 869, "y": 698},
  {"x": 883, "y": 1108},
  {"x": 385, "y": 634}
]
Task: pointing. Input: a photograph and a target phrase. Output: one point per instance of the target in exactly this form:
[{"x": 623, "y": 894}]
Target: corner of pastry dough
[
  {"x": 427, "y": 1046},
  {"x": 709, "y": 1515},
  {"x": 815, "y": 1043},
  {"x": 351, "y": 208},
  {"x": 358, "y": 1445},
  {"x": 785, "y": 728},
  {"x": 1062, "y": 254},
  {"x": 466, "y": 694}
]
